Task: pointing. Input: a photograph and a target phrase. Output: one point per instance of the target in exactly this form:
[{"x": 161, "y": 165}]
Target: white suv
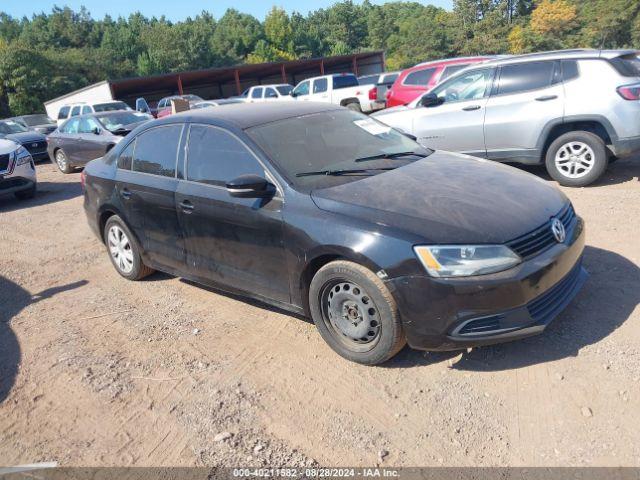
[
  {"x": 75, "y": 109},
  {"x": 17, "y": 171}
]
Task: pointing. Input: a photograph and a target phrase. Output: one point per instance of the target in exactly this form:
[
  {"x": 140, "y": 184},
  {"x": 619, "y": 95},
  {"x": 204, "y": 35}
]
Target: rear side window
[
  {"x": 451, "y": 69},
  {"x": 419, "y": 77},
  {"x": 257, "y": 93},
  {"x": 569, "y": 70},
  {"x": 627, "y": 65},
  {"x": 126, "y": 156},
  {"x": 156, "y": 151},
  {"x": 63, "y": 113},
  {"x": 320, "y": 85},
  {"x": 75, "y": 111},
  {"x": 522, "y": 77},
  {"x": 215, "y": 156},
  {"x": 344, "y": 81},
  {"x": 86, "y": 110},
  {"x": 270, "y": 93}
]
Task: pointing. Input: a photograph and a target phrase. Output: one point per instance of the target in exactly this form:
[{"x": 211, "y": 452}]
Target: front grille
[
  {"x": 481, "y": 325},
  {"x": 537, "y": 241},
  {"x": 35, "y": 147},
  {"x": 4, "y": 162},
  {"x": 549, "y": 304}
]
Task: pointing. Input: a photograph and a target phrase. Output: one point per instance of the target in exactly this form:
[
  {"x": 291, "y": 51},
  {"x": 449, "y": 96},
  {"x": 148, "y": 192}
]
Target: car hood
[
  {"x": 26, "y": 137},
  {"x": 391, "y": 110},
  {"x": 449, "y": 198}
]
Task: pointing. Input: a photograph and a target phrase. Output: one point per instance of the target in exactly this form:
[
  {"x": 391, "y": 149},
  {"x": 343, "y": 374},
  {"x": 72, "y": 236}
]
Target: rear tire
[
  {"x": 123, "y": 250},
  {"x": 354, "y": 106},
  {"x": 26, "y": 194},
  {"x": 576, "y": 159},
  {"x": 62, "y": 161},
  {"x": 355, "y": 313}
]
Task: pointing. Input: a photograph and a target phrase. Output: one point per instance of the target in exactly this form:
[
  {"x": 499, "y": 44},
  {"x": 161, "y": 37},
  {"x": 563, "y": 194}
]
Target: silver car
[
  {"x": 573, "y": 110},
  {"x": 17, "y": 171}
]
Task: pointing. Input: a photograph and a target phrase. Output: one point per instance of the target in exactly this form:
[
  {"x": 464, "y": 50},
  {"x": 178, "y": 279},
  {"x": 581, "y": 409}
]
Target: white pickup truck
[
  {"x": 340, "y": 89},
  {"x": 266, "y": 93}
]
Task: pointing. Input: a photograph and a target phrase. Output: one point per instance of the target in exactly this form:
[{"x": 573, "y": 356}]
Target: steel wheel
[
  {"x": 120, "y": 249},
  {"x": 350, "y": 315},
  {"x": 575, "y": 159},
  {"x": 61, "y": 161}
]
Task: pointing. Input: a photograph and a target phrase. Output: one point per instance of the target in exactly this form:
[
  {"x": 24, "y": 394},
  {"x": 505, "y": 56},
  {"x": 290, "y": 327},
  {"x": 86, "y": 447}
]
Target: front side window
[
  {"x": 86, "y": 110},
  {"x": 521, "y": 77},
  {"x": 215, "y": 156},
  {"x": 126, "y": 156},
  {"x": 470, "y": 86},
  {"x": 419, "y": 77},
  {"x": 63, "y": 113},
  {"x": 88, "y": 125},
  {"x": 320, "y": 85},
  {"x": 302, "y": 89},
  {"x": 257, "y": 93},
  {"x": 156, "y": 151}
]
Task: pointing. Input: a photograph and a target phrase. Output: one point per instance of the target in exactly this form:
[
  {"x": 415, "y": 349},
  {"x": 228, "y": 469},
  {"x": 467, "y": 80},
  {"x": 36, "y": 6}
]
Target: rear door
[
  {"x": 237, "y": 242},
  {"x": 456, "y": 124},
  {"x": 526, "y": 97},
  {"x": 320, "y": 90},
  {"x": 148, "y": 192}
]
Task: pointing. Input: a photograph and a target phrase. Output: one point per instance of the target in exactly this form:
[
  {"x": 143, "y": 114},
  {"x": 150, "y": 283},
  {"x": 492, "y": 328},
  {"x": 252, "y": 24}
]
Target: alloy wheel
[
  {"x": 350, "y": 315},
  {"x": 61, "y": 160},
  {"x": 120, "y": 249},
  {"x": 575, "y": 159}
]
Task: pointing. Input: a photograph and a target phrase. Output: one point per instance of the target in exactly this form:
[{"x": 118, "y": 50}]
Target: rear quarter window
[{"x": 627, "y": 65}]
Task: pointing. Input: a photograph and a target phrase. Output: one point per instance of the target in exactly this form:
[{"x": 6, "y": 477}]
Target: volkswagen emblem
[{"x": 557, "y": 228}]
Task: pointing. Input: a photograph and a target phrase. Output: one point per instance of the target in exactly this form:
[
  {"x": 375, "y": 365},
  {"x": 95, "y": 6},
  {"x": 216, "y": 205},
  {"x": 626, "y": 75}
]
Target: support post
[
  {"x": 237, "y": 78},
  {"x": 355, "y": 65},
  {"x": 180, "y": 85},
  {"x": 284, "y": 74},
  {"x": 322, "y": 66}
]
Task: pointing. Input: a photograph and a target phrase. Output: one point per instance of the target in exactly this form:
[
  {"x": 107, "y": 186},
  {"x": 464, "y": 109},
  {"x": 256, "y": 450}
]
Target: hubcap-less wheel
[
  {"x": 61, "y": 160},
  {"x": 575, "y": 159},
  {"x": 120, "y": 249},
  {"x": 350, "y": 315}
]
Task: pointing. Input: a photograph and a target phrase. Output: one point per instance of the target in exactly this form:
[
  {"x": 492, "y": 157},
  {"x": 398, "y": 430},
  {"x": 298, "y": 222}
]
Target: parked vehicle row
[
  {"x": 326, "y": 212},
  {"x": 573, "y": 111}
]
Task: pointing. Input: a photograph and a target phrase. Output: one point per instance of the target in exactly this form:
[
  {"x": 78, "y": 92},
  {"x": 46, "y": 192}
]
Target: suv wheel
[
  {"x": 355, "y": 106},
  {"x": 123, "y": 250},
  {"x": 62, "y": 161},
  {"x": 576, "y": 159},
  {"x": 355, "y": 313}
]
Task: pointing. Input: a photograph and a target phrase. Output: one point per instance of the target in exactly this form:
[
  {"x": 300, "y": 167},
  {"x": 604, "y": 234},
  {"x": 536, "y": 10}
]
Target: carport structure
[{"x": 229, "y": 81}]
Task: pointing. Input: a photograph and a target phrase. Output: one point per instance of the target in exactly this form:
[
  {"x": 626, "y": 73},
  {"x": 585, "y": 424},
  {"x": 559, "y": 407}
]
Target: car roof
[
  {"x": 576, "y": 54},
  {"x": 247, "y": 115},
  {"x": 447, "y": 61}
]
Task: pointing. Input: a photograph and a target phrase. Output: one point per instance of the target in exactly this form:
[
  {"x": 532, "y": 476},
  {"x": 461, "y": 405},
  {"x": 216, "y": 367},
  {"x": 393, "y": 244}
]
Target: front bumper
[{"x": 454, "y": 313}]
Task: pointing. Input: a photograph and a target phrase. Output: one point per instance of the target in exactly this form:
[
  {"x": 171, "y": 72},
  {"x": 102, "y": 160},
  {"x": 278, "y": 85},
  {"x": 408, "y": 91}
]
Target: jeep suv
[{"x": 573, "y": 110}]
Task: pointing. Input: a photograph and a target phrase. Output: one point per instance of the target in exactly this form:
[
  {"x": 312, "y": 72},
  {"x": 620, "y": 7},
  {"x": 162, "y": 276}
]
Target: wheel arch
[
  {"x": 346, "y": 101},
  {"x": 596, "y": 124}
]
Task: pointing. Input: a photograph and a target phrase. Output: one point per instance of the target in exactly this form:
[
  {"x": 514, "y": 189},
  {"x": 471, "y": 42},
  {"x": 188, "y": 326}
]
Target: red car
[
  {"x": 414, "y": 81},
  {"x": 164, "y": 105}
]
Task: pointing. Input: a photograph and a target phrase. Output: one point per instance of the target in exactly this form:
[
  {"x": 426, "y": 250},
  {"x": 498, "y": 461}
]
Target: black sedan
[
  {"x": 87, "y": 137},
  {"x": 34, "y": 142},
  {"x": 38, "y": 122},
  {"x": 328, "y": 213}
]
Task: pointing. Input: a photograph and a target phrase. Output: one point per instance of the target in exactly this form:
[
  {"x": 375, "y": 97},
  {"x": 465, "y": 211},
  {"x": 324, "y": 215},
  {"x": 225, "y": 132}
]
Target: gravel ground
[{"x": 98, "y": 371}]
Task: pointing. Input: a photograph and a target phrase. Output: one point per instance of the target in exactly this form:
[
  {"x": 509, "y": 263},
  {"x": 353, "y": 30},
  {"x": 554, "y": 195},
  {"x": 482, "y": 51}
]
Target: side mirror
[
  {"x": 97, "y": 130},
  {"x": 250, "y": 186},
  {"x": 430, "y": 100},
  {"x": 412, "y": 137}
]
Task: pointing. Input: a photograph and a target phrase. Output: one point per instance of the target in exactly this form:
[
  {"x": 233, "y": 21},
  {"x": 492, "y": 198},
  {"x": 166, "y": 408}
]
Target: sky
[{"x": 176, "y": 10}]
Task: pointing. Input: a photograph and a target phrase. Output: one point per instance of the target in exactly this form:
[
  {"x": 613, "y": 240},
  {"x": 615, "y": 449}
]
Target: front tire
[
  {"x": 355, "y": 313},
  {"x": 576, "y": 159},
  {"x": 123, "y": 250},
  {"x": 62, "y": 161}
]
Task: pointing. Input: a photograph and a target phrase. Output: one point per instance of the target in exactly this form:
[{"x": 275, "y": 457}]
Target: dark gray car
[
  {"x": 38, "y": 122},
  {"x": 87, "y": 137}
]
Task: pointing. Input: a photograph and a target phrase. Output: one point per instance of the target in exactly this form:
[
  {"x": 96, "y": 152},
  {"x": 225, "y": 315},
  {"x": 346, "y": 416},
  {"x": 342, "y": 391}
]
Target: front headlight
[
  {"x": 22, "y": 156},
  {"x": 466, "y": 260}
]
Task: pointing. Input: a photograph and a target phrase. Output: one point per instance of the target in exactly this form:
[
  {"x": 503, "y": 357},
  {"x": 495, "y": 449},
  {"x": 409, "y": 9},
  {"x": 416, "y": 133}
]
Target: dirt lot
[{"x": 95, "y": 370}]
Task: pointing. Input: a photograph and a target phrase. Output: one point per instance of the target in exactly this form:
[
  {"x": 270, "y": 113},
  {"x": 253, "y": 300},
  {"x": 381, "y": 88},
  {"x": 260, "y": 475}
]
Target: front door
[
  {"x": 147, "y": 193},
  {"x": 236, "y": 242},
  {"x": 456, "y": 123},
  {"x": 91, "y": 144}
]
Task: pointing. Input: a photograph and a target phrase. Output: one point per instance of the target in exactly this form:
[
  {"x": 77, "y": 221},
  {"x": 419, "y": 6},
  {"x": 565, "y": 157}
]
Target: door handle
[
  {"x": 471, "y": 108},
  {"x": 546, "y": 98},
  {"x": 186, "y": 206},
  {"x": 125, "y": 193}
]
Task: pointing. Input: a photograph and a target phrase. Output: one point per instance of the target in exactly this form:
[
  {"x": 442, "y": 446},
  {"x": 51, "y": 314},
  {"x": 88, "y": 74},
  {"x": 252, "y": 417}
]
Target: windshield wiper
[
  {"x": 382, "y": 156},
  {"x": 341, "y": 172}
]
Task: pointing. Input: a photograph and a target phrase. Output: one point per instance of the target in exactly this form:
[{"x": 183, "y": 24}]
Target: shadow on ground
[
  {"x": 48, "y": 192},
  {"x": 14, "y": 298},
  {"x": 606, "y": 301},
  {"x": 621, "y": 171}
]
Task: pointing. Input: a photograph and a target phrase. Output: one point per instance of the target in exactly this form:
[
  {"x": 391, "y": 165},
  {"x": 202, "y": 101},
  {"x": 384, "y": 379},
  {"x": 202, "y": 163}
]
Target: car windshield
[
  {"x": 331, "y": 142},
  {"x": 284, "y": 89},
  {"x": 33, "y": 120},
  {"x": 114, "y": 121},
  {"x": 9, "y": 126},
  {"x": 192, "y": 98},
  {"x": 110, "y": 107}
]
